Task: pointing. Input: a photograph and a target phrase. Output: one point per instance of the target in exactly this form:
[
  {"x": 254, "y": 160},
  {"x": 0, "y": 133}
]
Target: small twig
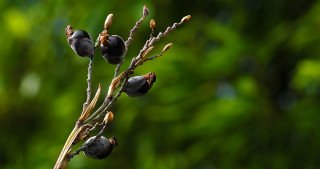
[
  {"x": 145, "y": 13},
  {"x": 94, "y": 126},
  {"x": 98, "y": 111},
  {"x": 165, "y": 49},
  {"x": 106, "y": 105},
  {"x": 102, "y": 130},
  {"x": 144, "y": 49},
  {"x": 169, "y": 29},
  {"x": 114, "y": 99},
  {"x": 116, "y": 71},
  {"x": 97, "y": 43},
  {"x": 85, "y": 105},
  {"x": 77, "y": 152}
]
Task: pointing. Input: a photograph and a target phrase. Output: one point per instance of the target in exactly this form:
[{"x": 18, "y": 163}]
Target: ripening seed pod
[
  {"x": 113, "y": 51},
  {"x": 139, "y": 85},
  {"x": 80, "y": 41},
  {"x": 99, "y": 147}
]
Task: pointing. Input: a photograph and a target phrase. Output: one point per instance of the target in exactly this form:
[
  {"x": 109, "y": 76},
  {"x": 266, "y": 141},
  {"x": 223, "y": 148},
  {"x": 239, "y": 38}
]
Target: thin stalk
[
  {"x": 85, "y": 105},
  {"x": 145, "y": 13}
]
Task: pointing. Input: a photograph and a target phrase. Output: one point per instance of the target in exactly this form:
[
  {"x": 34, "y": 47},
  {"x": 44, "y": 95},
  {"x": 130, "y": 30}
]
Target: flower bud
[
  {"x": 108, "y": 21},
  {"x": 186, "y": 18},
  {"x": 167, "y": 47},
  {"x": 108, "y": 117},
  {"x": 99, "y": 147},
  {"x": 139, "y": 85},
  {"x": 152, "y": 24}
]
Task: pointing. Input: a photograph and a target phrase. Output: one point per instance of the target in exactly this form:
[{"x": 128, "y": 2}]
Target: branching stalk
[
  {"x": 85, "y": 105},
  {"x": 145, "y": 13},
  {"x": 88, "y": 121}
]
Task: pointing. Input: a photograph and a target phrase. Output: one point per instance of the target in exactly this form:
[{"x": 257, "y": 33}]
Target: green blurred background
[{"x": 239, "y": 89}]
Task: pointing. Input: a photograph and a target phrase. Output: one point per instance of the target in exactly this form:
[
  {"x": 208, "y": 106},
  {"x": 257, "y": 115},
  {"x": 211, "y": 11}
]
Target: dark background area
[{"x": 240, "y": 87}]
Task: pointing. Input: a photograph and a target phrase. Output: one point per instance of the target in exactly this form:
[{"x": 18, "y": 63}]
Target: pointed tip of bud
[
  {"x": 152, "y": 24},
  {"x": 145, "y": 10},
  {"x": 108, "y": 21},
  {"x": 167, "y": 47},
  {"x": 108, "y": 117},
  {"x": 186, "y": 18},
  {"x": 69, "y": 31}
]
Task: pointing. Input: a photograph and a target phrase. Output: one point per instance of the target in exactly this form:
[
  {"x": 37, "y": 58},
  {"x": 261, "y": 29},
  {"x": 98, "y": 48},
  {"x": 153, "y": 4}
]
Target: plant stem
[
  {"x": 85, "y": 105},
  {"x": 130, "y": 38},
  {"x": 62, "y": 159}
]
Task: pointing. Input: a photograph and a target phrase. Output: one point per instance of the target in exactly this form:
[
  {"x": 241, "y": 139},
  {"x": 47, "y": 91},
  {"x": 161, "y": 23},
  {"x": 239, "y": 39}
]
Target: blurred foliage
[{"x": 239, "y": 89}]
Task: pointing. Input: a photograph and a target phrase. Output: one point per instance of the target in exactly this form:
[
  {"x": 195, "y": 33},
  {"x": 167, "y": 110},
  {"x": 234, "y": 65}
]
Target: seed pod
[
  {"x": 99, "y": 147},
  {"x": 139, "y": 85},
  {"x": 80, "y": 41},
  {"x": 114, "y": 49}
]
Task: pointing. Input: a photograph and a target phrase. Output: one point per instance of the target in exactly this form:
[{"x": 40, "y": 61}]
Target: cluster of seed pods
[{"x": 113, "y": 49}]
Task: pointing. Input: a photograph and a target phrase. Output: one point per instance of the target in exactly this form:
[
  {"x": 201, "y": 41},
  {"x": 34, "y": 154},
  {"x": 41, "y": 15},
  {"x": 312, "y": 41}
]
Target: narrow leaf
[{"x": 86, "y": 113}]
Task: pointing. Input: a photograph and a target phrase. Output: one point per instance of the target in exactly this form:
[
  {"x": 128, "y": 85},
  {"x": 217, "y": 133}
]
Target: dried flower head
[
  {"x": 69, "y": 31},
  {"x": 103, "y": 38}
]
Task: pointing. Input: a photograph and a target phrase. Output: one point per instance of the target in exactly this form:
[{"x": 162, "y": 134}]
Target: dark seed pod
[
  {"x": 139, "y": 85},
  {"x": 99, "y": 147},
  {"x": 113, "y": 51},
  {"x": 80, "y": 41}
]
